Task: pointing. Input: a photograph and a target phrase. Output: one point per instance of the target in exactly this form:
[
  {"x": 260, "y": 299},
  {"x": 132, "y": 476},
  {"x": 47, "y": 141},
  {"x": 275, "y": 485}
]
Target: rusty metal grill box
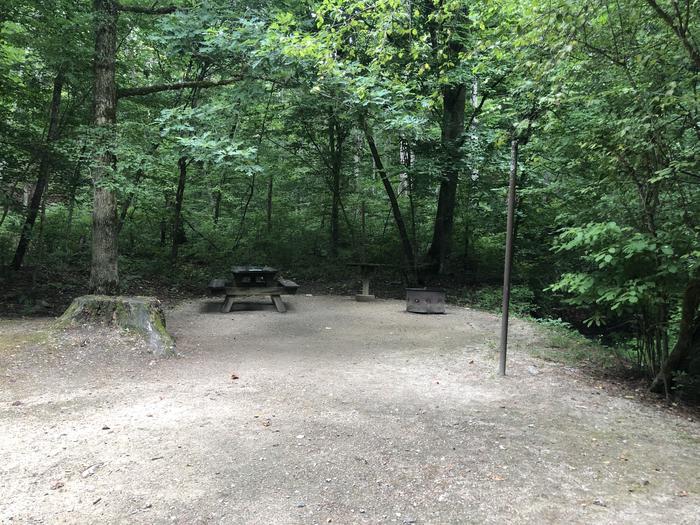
[{"x": 425, "y": 300}]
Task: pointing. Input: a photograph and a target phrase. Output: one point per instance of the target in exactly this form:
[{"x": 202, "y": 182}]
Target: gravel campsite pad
[{"x": 335, "y": 412}]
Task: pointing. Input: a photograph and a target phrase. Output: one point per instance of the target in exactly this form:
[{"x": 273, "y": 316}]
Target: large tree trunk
[
  {"x": 177, "y": 218},
  {"x": 43, "y": 177},
  {"x": 453, "y": 99},
  {"x": 686, "y": 352},
  {"x": 395, "y": 209},
  {"x": 104, "y": 275}
]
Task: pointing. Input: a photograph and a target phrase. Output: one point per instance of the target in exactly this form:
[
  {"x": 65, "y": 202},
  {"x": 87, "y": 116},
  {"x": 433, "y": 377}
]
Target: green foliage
[{"x": 602, "y": 96}]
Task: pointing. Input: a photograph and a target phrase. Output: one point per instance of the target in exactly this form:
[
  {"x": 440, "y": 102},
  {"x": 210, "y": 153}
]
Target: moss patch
[
  {"x": 10, "y": 341},
  {"x": 143, "y": 315}
]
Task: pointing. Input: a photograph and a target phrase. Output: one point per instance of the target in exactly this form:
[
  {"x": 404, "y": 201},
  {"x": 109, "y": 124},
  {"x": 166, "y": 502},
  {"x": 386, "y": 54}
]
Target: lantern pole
[{"x": 509, "y": 255}]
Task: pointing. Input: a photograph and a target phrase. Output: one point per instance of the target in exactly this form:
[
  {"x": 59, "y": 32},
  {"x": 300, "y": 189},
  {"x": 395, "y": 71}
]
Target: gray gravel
[{"x": 335, "y": 412}]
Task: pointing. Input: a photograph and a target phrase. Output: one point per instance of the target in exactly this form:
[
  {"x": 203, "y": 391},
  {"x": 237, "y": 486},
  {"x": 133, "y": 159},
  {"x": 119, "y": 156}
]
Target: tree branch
[
  {"x": 147, "y": 10},
  {"x": 679, "y": 30},
  {"x": 157, "y": 88}
]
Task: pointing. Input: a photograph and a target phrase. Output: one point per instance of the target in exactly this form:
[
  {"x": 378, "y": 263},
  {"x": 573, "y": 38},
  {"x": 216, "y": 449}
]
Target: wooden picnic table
[{"x": 251, "y": 281}]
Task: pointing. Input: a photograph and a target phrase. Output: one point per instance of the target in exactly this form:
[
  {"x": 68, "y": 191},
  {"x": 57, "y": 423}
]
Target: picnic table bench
[{"x": 252, "y": 281}]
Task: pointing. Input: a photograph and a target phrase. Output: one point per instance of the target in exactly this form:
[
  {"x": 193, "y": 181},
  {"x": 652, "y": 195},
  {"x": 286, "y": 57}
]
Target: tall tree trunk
[
  {"x": 217, "y": 206},
  {"x": 335, "y": 213},
  {"x": 43, "y": 177},
  {"x": 163, "y": 224},
  {"x": 395, "y": 209},
  {"x": 269, "y": 203},
  {"x": 335, "y": 157},
  {"x": 687, "y": 348},
  {"x": 177, "y": 218},
  {"x": 453, "y": 101},
  {"x": 104, "y": 274}
]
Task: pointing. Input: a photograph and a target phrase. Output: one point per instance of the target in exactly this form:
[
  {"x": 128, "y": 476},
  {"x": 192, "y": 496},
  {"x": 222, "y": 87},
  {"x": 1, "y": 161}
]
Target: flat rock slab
[{"x": 135, "y": 313}]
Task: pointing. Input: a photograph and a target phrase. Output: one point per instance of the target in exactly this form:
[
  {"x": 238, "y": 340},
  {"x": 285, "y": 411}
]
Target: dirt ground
[{"x": 335, "y": 412}]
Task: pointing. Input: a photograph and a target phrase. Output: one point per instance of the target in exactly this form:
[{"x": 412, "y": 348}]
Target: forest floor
[{"x": 335, "y": 412}]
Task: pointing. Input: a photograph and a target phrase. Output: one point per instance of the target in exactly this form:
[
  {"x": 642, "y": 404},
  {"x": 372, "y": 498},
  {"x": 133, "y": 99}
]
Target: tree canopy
[{"x": 172, "y": 138}]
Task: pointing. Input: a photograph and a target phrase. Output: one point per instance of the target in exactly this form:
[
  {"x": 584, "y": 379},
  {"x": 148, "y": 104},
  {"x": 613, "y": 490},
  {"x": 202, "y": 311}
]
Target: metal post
[{"x": 509, "y": 255}]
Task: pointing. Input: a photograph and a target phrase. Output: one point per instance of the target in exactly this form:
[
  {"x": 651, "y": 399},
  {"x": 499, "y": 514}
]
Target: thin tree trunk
[
  {"x": 163, "y": 232},
  {"x": 179, "y": 195},
  {"x": 363, "y": 231},
  {"x": 75, "y": 182},
  {"x": 40, "y": 241},
  {"x": 42, "y": 222},
  {"x": 6, "y": 207},
  {"x": 222, "y": 179},
  {"x": 104, "y": 274},
  {"x": 335, "y": 157},
  {"x": 239, "y": 234},
  {"x": 43, "y": 177},
  {"x": 454, "y": 99},
  {"x": 269, "y": 203},
  {"x": 407, "y": 160},
  {"x": 127, "y": 203},
  {"x": 335, "y": 218},
  {"x": 261, "y": 134},
  {"x": 335, "y": 211},
  {"x": 217, "y": 206},
  {"x": 395, "y": 209},
  {"x": 467, "y": 241}
]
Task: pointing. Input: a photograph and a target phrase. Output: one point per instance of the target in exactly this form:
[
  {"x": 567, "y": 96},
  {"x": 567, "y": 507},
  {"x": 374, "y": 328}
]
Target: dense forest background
[{"x": 154, "y": 144}]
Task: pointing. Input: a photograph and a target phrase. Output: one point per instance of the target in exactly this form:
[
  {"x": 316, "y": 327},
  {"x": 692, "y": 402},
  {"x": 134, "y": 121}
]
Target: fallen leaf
[{"x": 90, "y": 470}]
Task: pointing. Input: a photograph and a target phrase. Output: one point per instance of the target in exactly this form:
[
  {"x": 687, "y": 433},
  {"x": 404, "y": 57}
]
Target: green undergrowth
[
  {"x": 563, "y": 344},
  {"x": 560, "y": 341},
  {"x": 490, "y": 298}
]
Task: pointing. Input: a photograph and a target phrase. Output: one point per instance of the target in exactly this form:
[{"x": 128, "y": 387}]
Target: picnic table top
[
  {"x": 372, "y": 265},
  {"x": 254, "y": 269}
]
